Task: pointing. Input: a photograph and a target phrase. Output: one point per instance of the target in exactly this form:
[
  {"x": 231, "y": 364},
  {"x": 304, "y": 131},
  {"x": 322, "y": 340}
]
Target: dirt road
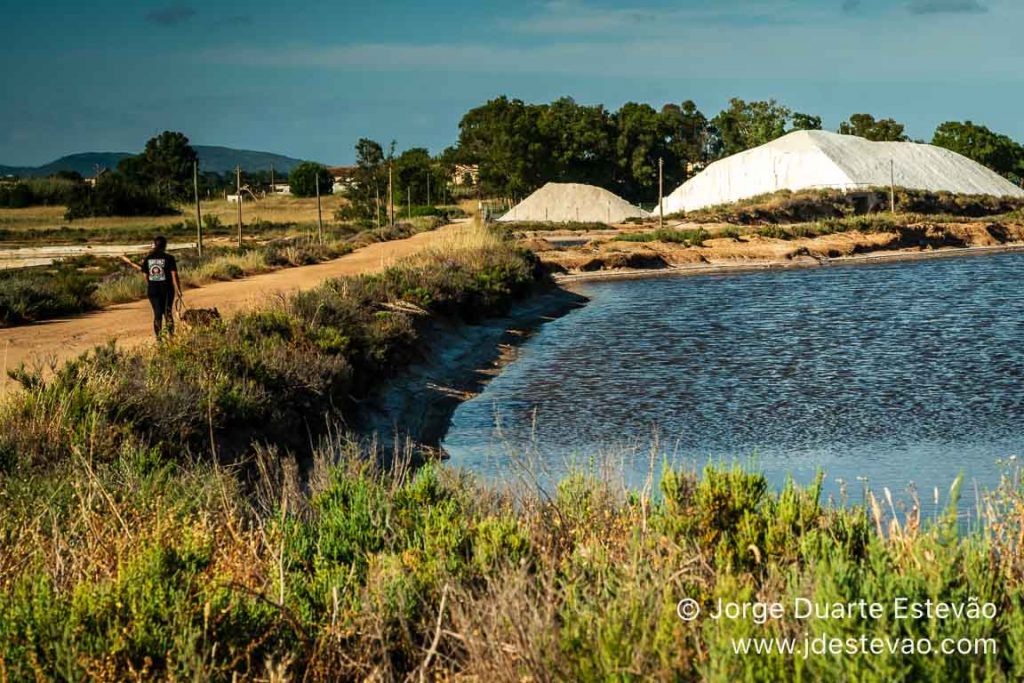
[{"x": 54, "y": 341}]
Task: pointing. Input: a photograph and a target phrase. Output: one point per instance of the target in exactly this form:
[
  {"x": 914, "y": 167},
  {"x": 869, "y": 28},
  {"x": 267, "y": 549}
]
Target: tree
[
  {"x": 806, "y": 122},
  {"x": 578, "y": 143},
  {"x": 503, "y": 137},
  {"x": 749, "y": 124},
  {"x": 642, "y": 138},
  {"x": 302, "y": 180},
  {"x": 996, "y": 151},
  {"x": 412, "y": 169},
  {"x": 866, "y": 126},
  {"x": 116, "y": 195},
  {"x": 167, "y": 162},
  {"x": 692, "y": 138}
]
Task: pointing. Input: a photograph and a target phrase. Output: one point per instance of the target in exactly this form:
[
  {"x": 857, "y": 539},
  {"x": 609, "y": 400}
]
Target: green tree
[
  {"x": 806, "y": 122},
  {"x": 880, "y": 130},
  {"x": 749, "y": 124},
  {"x": 369, "y": 192},
  {"x": 998, "y": 152},
  {"x": 302, "y": 180},
  {"x": 412, "y": 169},
  {"x": 691, "y": 136},
  {"x": 579, "y": 143},
  {"x": 503, "y": 137},
  {"x": 167, "y": 162},
  {"x": 642, "y": 139}
]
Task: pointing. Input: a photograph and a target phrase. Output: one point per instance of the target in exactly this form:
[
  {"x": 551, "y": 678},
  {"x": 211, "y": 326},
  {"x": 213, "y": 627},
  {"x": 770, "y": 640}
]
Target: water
[{"x": 901, "y": 375}]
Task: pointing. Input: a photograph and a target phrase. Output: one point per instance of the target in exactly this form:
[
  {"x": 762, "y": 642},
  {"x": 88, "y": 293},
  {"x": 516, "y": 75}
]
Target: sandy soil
[{"x": 53, "y": 341}]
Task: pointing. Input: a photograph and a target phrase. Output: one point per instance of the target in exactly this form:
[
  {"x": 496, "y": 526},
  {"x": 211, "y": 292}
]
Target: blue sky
[{"x": 308, "y": 79}]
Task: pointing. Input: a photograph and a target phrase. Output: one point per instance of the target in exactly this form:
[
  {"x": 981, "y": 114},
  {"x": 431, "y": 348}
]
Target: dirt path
[{"x": 54, "y": 341}]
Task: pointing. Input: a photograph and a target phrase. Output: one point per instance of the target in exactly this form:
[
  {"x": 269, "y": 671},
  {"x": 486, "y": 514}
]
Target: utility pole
[
  {"x": 199, "y": 212},
  {"x": 892, "y": 185},
  {"x": 428, "y": 186},
  {"x": 319, "y": 214},
  {"x": 272, "y": 186},
  {"x": 408, "y": 202},
  {"x": 661, "y": 193},
  {"x": 391, "y": 194},
  {"x": 376, "y": 214},
  {"x": 238, "y": 197}
]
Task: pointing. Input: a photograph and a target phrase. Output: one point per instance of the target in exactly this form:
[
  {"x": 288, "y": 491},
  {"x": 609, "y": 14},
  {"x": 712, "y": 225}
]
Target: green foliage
[
  {"x": 998, "y": 152},
  {"x": 53, "y": 191},
  {"x": 749, "y": 124},
  {"x": 413, "y": 171},
  {"x": 303, "y": 179},
  {"x": 35, "y": 295},
  {"x": 693, "y": 238},
  {"x": 880, "y": 130},
  {"x": 117, "y": 195},
  {"x": 133, "y": 566},
  {"x": 786, "y": 207},
  {"x": 521, "y": 146},
  {"x": 264, "y": 372}
]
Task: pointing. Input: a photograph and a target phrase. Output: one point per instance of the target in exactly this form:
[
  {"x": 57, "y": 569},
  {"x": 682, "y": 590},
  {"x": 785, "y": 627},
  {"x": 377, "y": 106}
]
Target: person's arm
[
  {"x": 177, "y": 283},
  {"x": 131, "y": 263}
]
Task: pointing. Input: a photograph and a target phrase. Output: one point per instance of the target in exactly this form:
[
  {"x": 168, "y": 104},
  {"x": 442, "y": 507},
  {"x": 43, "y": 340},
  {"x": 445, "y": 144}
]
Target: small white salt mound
[
  {"x": 814, "y": 159},
  {"x": 572, "y": 202}
]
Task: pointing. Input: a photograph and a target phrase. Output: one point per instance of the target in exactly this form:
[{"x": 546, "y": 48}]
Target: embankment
[
  {"x": 696, "y": 251},
  {"x": 457, "y": 361}
]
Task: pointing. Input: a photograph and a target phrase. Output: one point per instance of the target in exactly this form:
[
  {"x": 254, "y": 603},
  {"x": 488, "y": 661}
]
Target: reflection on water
[{"x": 901, "y": 373}]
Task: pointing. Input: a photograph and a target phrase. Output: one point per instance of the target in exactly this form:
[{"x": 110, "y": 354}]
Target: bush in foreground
[{"x": 135, "y": 567}]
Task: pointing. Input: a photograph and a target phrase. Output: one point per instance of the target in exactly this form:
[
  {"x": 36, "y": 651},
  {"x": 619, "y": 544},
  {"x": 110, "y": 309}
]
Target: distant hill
[{"x": 215, "y": 159}]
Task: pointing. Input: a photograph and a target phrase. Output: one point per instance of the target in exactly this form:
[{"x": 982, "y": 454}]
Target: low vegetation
[
  {"x": 266, "y": 372},
  {"x": 158, "y": 525},
  {"x": 80, "y": 284},
  {"x": 128, "y": 564},
  {"x": 690, "y": 238},
  {"x": 786, "y": 207}
]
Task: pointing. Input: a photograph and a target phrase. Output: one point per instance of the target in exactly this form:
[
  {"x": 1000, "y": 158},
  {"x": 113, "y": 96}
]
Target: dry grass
[{"x": 274, "y": 209}]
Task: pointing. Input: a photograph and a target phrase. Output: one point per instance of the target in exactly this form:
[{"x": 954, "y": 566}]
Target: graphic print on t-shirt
[{"x": 156, "y": 268}]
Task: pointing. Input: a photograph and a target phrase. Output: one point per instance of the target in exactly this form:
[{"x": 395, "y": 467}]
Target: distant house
[
  {"x": 466, "y": 174},
  {"x": 344, "y": 178},
  {"x": 280, "y": 188}
]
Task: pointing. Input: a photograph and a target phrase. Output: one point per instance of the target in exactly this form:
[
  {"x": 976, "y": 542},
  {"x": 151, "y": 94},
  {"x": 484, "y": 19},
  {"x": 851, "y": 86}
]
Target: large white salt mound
[
  {"x": 572, "y": 202},
  {"x": 812, "y": 159}
]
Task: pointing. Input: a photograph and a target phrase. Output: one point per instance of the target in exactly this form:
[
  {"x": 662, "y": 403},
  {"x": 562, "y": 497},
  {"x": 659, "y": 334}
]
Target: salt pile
[
  {"x": 573, "y": 202},
  {"x": 818, "y": 159}
]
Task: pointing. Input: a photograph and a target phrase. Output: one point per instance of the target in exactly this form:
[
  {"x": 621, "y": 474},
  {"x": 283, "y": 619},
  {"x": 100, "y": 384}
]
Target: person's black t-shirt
[{"x": 158, "y": 269}]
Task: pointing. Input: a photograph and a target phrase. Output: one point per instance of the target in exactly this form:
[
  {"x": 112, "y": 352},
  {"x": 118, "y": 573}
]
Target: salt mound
[
  {"x": 572, "y": 202},
  {"x": 818, "y": 159}
]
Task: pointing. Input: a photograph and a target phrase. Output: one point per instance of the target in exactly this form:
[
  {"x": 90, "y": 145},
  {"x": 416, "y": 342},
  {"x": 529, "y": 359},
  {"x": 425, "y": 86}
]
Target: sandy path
[{"x": 53, "y": 341}]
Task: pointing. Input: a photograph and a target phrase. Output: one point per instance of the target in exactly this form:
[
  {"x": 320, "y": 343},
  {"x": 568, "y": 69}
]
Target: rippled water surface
[{"x": 899, "y": 373}]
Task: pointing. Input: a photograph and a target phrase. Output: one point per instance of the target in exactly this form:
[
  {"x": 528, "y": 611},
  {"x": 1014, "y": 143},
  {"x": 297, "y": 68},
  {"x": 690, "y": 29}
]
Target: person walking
[{"x": 162, "y": 283}]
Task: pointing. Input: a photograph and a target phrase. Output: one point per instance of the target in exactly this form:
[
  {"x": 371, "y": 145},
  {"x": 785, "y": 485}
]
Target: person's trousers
[{"x": 162, "y": 301}]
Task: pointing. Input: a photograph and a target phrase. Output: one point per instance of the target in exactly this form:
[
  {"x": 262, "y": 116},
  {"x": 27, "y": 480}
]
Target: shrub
[
  {"x": 115, "y": 195},
  {"x": 693, "y": 238},
  {"x": 26, "y": 296}
]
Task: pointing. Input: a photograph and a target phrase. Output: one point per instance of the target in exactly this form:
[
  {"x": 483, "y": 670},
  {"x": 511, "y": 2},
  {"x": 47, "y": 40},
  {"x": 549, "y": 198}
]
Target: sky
[{"x": 308, "y": 79}]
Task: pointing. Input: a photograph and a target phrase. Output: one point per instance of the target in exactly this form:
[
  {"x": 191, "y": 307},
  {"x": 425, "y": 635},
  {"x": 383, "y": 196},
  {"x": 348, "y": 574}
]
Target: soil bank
[{"x": 416, "y": 406}]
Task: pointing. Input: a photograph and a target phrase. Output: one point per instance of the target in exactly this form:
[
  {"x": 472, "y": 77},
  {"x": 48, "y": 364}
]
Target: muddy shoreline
[{"x": 416, "y": 406}]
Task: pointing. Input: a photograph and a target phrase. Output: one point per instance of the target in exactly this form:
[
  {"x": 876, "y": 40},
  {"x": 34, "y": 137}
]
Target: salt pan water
[{"x": 892, "y": 375}]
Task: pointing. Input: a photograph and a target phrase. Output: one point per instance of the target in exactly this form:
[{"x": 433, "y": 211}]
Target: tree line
[
  {"x": 517, "y": 146},
  {"x": 520, "y": 146}
]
